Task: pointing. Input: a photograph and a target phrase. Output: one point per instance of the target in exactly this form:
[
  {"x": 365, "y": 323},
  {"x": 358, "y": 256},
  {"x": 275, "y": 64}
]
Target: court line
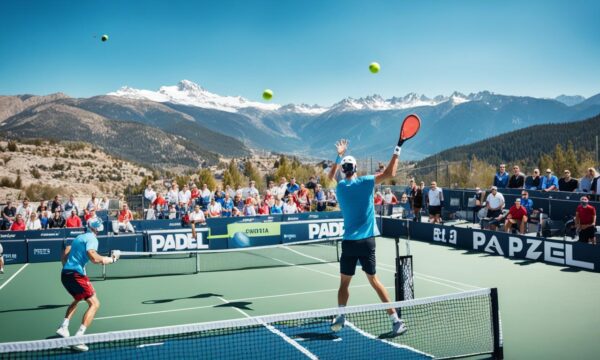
[
  {"x": 435, "y": 277},
  {"x": 275, "y": 331},
  {"x": 242, "y": 299},
  {"x": 13, "y": 276}
]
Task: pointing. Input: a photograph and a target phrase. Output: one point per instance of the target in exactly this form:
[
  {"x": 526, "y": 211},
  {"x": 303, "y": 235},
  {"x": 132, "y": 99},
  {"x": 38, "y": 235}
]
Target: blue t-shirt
[
  {"x": 355, "y": 197},
  {"x": 293, "y": 188},
  {"x": 501, "y": 180},
  {"x": 277, "y": 209},
  {"x": 78, "y": 255}
]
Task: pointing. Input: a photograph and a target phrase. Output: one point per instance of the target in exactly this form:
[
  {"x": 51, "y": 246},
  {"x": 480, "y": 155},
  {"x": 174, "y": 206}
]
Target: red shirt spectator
[
  {"x": 263, "y": 209},
  {"x": 125, "y": 215},
  {"x": 517, "y": 213},
  {"x": 73, "y": 221},
  {"x": 195, "y": 192},
  {"x": 378, "y": 198},
  {"x": 88, "y": 215},
  {"x": 19, "y": 224},
  {"x": 586, "y": 214},
  {"x": 160, "y": 201}
]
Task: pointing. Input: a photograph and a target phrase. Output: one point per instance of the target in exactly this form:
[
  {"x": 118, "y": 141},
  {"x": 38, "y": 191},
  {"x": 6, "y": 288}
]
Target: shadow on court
[
  {"x": 164, "y": 301},
  {"x": 41, "y": 307},
  {"x": 242, "y": 305}
]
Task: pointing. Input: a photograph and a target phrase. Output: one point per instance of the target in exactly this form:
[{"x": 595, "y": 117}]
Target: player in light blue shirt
[
  {"x": 355, "y": 196},
  {"x": 84, "y": 248}
]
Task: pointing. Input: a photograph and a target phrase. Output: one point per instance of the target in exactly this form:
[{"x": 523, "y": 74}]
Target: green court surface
[{"x": 547, "y": 312}]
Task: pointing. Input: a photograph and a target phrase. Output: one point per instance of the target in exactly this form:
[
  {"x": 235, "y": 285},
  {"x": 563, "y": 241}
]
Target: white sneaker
[
  {"x": 63, "y": 331},
  {"x": 338, "y": 323},
  {"x": 399, "y": 328},
  {"x": 80, "y": 347},
  {"x": 2, "y": 271}
]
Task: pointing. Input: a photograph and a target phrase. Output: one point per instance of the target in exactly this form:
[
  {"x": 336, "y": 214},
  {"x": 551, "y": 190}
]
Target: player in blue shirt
[
  {"x": 355, "y": 196},
  {"x": 73, "y": 277}
]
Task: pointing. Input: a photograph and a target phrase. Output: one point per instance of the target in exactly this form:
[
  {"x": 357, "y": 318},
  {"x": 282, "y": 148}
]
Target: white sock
[
  {"x": 394, "y": 317},
  {"x": 65, "y": 323},
  {"x": 81, "y": 330}
]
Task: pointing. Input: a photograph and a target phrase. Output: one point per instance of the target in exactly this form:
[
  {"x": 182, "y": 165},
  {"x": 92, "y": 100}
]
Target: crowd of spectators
[{"x": 194, "y": 205}]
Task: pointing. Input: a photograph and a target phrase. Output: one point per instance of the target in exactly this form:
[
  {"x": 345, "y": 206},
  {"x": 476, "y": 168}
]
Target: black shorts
[
  {"x": 358, "y": 250},
  {"x": 435, "y": 210},
  {"x": 587, "y": 234},
  {"x": 494, "y": 213}
]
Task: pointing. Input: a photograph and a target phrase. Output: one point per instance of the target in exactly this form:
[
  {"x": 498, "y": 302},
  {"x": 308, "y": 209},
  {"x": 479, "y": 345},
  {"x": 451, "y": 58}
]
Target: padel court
[{"x": 547, "y": 312}]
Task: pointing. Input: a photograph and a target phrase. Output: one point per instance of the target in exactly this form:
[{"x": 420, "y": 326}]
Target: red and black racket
[{"x": 410, "y": 128}]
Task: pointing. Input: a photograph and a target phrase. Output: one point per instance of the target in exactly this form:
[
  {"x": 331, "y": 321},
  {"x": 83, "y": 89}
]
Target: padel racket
[{"x": 410, "y": 128}]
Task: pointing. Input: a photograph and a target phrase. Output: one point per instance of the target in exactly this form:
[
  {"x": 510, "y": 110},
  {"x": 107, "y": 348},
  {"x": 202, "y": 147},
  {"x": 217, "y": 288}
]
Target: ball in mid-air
[
  {"x": 267, "y": 94},
  {"x": 240, "y": 240},
  {"x": 104, "y": 37},
  {"x": 374, "y": 67}
]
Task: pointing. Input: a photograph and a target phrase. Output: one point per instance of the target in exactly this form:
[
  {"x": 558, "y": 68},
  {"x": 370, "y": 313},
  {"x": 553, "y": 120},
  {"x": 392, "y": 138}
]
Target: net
[
  {"x": 454, "y": 325},
  {"x": 140, "y": 264}
]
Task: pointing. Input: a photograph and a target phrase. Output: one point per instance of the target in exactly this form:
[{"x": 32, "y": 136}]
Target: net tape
[{"x": 40, "y": 345}]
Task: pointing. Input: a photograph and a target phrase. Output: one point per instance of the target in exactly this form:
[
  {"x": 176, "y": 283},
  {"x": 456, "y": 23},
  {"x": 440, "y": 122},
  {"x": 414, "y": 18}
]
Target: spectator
[
  {"x": 477, "y": 200},
  {"x": 124, "y": 219},
  {"x": 378, "y": 198},
  {"x": 549, "y": 182},
  {"x": 33, "y": 222},
  {"x": 409, "y": 188},
  {"x": 18, "y": 224},
  {"x": 104, "y": 204},
  {"x": 585, "y": 220},
  {"x": 517, "y": 215},
  {"x": 42, "y": 207},
  {"x": 534, "y": 182},
  {"x": 214, "y": 208},
  {"x": 249, "y": 209},
  {"x": 149, "y": 193},
  {"x": 184, "y": 197},
  {"x": 320, "y": 198},
  {"x": 93, "y": 203},
  {"x": 517, "y": 179},
  {"x": 526, "y": 202},
  {"x": 235, "y": 212},
  {"x": 303, "y": 197},
  {"x": 44, "y": 219},
  {"x": 250, "y": 191},
  {"x": 283, "y": 184},
  {"x": 277, "y": 207},
  {"x": 69, "y": 206},
  {"x": 219, "y": 195},
  {"x": 196, "y": 218},
  {"x": 494, "y": 204},
  {"x": 501, "y": 178},
  {"x": 416, "y": 198},
  {"x": 57, "y": 221},
  {"x": 194, "y": 194},
  {"x": 238, "y": 202},
  {"x": 56, "y": 204},
  {"x": 272, "y": 189},
  {"x": 389, "y": 198},
  {"x": 567, "y": 183},
  {"x": 290, "y": 206},
  {"x": 25, "y": 209},
  {"x": 88, "y": 214},
  {"x": 269, "y": 197},
  {"x": 173, "y": 194},
  {"x": 205, "y": 194},
  {"x": 230, "y": 191},
  {"x": 227, "y": 206},
  {"x": 312, "y": 183},
  {"x": 595, "y": 188},
  {"x": 435, "y": 200},
  {"x": 331, "y": 198},
  {"x": 585, "y": 184},
  {"x": 405, "y": 204},
  {"x": 160, "y": 205},
  {"x": 73, "y": 221},
  {"x": 172, "y": 212},
  {"x": 8, "y": 215},
  {"x": 264, "y": 208},
  {"x": 292, "y": 187}
]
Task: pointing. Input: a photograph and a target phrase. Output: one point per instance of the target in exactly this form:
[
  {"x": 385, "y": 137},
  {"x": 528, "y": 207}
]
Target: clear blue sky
[{"x": 305, "y": 50}]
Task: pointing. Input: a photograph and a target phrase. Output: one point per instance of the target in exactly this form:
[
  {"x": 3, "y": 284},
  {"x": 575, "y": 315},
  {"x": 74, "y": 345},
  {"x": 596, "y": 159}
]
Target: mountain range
[{"x": 187, "y": 125}]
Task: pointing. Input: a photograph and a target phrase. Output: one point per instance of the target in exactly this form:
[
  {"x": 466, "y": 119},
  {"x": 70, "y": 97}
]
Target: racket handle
[
  {"x": 397, "y": 150},
  {"x": 400, "y": 142}
]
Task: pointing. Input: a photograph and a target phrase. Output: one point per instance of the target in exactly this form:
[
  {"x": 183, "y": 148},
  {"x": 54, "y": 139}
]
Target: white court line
[
  {"x": 437, "y": 278},
  {"x": 14, "y": 275},
  {"x": 242, "y": 299},
  {"x": 272, "y": 329}
]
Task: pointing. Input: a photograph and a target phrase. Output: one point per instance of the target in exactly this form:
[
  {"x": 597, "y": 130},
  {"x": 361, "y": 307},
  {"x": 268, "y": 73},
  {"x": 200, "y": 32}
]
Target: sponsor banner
[
  {"x": 218, "y": 226},
  {"x": 13, "y": 235},
  {"x": 393, "y": 227},
  {"x": 509, "y": 245},
  {"x": 72, "y": 233},
  {"x": 15, "y": 251},
  {"x": 44, "y": 250},
  {"x": 245, "y": 234},
  {"x": 147, "y": 225},
  {"x": 312, "y": 230},
  {"x": 313, "y": 216},
  {"x": 176, "y": 240}
]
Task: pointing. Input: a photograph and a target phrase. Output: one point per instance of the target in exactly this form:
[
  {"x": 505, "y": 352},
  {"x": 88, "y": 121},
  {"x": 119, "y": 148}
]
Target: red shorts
[{"x": 79, "y": 286}]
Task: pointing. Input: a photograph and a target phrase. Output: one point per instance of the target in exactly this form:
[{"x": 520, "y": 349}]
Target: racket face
[{"x": 410, "y": 127}]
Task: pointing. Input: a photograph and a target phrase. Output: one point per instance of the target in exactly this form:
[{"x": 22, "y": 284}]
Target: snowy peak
[
  {"x": 410, "y": 100},
  {"x": 570, "y": 100}
]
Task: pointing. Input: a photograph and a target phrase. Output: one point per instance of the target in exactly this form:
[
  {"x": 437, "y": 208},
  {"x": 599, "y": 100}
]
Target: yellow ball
[
  {"x": 267, "y": 94},
  {"x": 374, "y": 67}
]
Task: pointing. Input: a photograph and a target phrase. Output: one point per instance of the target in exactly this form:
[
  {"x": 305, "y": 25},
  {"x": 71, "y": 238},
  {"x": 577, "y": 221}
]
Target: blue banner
[
  {"x": 44, "y": 250},
  {"x": 176, "y": 240},
  {"x": 15, "y": 251},
  {"x": 312, "y": 230}
]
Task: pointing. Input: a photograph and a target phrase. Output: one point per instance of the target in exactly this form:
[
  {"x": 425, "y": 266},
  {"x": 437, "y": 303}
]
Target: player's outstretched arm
[
  {"x": 99, "y": 259},
  {"x": 341, "y": 146},
  {"x": 391, "y": 169}
]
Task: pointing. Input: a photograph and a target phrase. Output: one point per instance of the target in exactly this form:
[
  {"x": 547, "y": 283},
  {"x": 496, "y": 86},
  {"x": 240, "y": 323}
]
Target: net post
[
  {"x": 498, "y": 346},
  {"x": 103, "y": 271},
  {"x": 197, "y": 262},
  {"x": 398, "y": 271}
]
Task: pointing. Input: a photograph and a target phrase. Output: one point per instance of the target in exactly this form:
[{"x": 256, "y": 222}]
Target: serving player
[
  {"x": 355, "y": 196},
  {"x": 84, "y": 248}
]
